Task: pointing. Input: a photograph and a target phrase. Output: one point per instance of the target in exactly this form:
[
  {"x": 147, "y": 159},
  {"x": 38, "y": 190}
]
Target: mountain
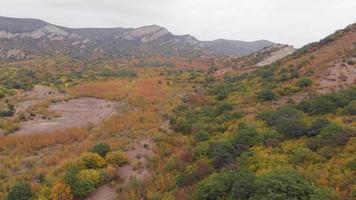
[
  {"x": 234, "y": 47},
  {"x": 23, "y": 38}
]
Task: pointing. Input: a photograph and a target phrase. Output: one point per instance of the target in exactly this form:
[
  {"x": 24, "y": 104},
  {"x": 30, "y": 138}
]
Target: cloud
[{"x": 292, "y": 22}]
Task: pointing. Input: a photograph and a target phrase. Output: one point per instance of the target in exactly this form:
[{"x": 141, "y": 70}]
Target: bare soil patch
[
  {"x": 73, "y": 113},
  {"x": 338, "y": 77}
]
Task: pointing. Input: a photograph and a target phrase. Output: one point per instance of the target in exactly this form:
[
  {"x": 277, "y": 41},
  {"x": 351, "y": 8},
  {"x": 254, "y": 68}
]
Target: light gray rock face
[
  {"x": 38, "y": 37},
  {"x": 277, "y": 52}
]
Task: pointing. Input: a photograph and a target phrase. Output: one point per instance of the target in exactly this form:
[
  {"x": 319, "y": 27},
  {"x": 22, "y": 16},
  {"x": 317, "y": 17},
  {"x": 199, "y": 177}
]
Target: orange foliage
[{"x": 39, "y": 141}]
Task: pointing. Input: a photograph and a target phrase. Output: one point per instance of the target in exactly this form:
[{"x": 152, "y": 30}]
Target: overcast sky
[{"x": 295, "y": 22}]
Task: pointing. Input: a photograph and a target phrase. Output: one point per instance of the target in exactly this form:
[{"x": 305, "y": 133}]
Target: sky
[{"x": 283, "y": 21}]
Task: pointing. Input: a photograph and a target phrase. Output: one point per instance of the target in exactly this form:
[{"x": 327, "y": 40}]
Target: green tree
[
  {"x": 286, "y": 185},
  {"x": 20, "y": 191},
  {"x": 215, "y": 186},
  {"x": 244, "y": 185},
  {"x": 288, "y": 121}
]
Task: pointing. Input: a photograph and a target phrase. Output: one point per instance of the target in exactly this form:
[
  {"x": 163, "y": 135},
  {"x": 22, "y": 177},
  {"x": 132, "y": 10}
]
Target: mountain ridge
[{"x": 36, "y": 37}]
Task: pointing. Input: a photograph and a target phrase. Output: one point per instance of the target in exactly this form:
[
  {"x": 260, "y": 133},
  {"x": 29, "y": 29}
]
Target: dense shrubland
[{"x": 296, "y": 151}]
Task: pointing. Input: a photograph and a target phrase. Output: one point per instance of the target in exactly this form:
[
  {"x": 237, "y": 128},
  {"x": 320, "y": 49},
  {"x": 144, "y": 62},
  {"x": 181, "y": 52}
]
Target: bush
[
  {"x": 244, "y": 139},
  {"x": 91, "y": 175},
  {"x": 8, "y": 111},
  {"x": 304, "y": 82},
  {"x": 92, "y": 161},
  {"x": 318, "y": 106},
  {"x": 215, "y": 186},
  {"x": 86, "y": 182},
  {"x": 102, "y": 149},
  {"x": 350, "y": 109},
  {"x": 82, "y": 189},
  {"x": 331, "y": 135},
  {"x": 20, "y": 191},
  {"x": 351, "y": 164},
  {"x": 301, "y": 155},
  {"x": 61, "y": 191},
  {"x": 118, "y": 73},
  {"x": 222, "y": 154},
  {"x": 117, "y": 158},
  {"x": 317, "y": 126},
  {"x": 266, "y": 95},
  {"x": 328, "y": 103},
  {"x": 286, "y": 185},
  {"x": 288, "y": 121},
  {"x": 201, "y": 136}
]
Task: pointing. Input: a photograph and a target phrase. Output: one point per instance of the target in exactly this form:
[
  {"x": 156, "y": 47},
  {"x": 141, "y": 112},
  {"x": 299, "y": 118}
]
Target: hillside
[
  {"x": 276, "y": 124},
  {"x": 22, "y": 38}
]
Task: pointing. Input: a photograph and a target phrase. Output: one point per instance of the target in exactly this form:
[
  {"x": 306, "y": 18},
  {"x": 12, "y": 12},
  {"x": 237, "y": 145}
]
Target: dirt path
[
  {"x": 138, "y": 155},
  {"x": 137, "y": 169},
  {"x": 73, "y": 113},
  {"x": 105, "y": 192}
]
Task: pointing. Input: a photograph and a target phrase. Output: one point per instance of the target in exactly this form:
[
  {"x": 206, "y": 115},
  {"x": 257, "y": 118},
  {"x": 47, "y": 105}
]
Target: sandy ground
[{"x": 74, "y": 113}]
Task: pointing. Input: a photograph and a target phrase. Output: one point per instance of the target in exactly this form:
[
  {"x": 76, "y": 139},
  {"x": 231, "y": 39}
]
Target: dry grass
[{"x": 112, "y": 89}]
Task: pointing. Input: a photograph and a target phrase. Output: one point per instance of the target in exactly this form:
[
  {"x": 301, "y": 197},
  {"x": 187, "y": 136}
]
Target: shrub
[
  {"x": 82, "y": 189},
  {"x": 350, "y": 109},
  {"x": 117, "y": 158},
  {"x": 288, "y": 121},
  {"x": 102, "y": 149},
  {"x": 318, "y": 106},
  {"x": 44, "y": 193},
  {"x": 283, "y": 77},
  {"x": 301, "y": 154},
  {"x": 8, "y": 111},
  {"x": 91, "y": 175},
  {"x": 215, "y": 186},
  {"x": 61, "y": 191},
  {"x": 331, "y": 135},
  {"x": 304, "y": 82},
  {"x": 286, "y": 185},
  {"x": 201, "y": 136},
  {"x": 246, "y": 136},
  {"x": 70, "y": 176},
  {"x": 328, "y": 103},
  {"x": 92, "y": 161},
  {"x": 118, "y": 73},
  {"x": 20, "y": 191},
  {"x": 351, "y": 164},
  {"x": 222, "y": 154},
  {"x": 317, "y": 126},
  {"x": 266, "y": 95}
]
